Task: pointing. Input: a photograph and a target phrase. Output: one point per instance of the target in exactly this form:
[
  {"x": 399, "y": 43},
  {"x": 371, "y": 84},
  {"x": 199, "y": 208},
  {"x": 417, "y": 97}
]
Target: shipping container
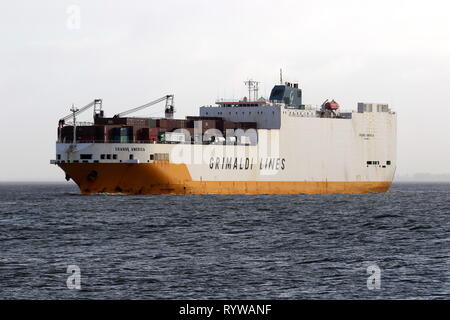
[
  {"x": 172, "y": 124},
  {"x": 84, "y": 133},
  {"x": 204, "y": 124},
  {"x": 248, "y": 125},
  {"x": 152, "y": 123},
  {"x": 110, "y": 121},
  {"x": 231, "y": 140},
  {"x": 167, "y": 124},
  {"x": 122, "y": 134},
  {"x": 217, "y": 140},
  {"x": 229, "y": 125},
  {"x": 127, "y": 121},
  {"x": 174, "y": 137},
  {"x": 115, "y": 134},
  {"x": 109, "y": 132},
  {"x": 244, "y": 140},
  {"x": 144, "y": 134}
]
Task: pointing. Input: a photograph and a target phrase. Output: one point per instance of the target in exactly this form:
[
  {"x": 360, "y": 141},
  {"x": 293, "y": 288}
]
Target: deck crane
[
  {"x": 98, "y": 112},
  {"x": 169, "y": 109},
  {"x": 97, "y": 104}
]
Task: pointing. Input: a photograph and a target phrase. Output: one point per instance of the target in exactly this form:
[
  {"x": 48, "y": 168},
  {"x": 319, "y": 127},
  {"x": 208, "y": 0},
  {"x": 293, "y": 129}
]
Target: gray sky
[{"x": 131, "y": 52}]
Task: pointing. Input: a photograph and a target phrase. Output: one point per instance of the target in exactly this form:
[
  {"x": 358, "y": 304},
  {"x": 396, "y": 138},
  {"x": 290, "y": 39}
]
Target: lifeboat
[{"x": 331, "y": 105}]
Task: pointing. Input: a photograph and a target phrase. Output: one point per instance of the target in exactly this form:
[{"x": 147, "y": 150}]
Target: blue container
[
  {"x": 115, "y": 135},
  {"x": 126, "y": 131}
]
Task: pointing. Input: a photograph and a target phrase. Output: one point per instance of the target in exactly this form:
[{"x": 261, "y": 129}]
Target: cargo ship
[{"x": 251, "y": 145}]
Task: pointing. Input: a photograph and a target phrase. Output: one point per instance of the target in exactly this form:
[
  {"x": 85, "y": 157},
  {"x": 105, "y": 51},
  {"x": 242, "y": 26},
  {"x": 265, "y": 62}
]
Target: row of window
[
  {"x": 159, "y": 156},
  {"x": 257, "y": 112},
  {"x": 388, "y": 163},
  {"x": 237, "y": 105},
  {"x": 377, "y": 163},
  {"x": 301, "y": 114},
  {"x": 109, "y": 156}
]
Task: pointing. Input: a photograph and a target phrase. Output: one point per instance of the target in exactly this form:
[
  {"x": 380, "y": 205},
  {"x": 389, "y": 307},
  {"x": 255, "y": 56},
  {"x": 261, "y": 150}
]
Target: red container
[
  {"x": 154, "y": 131},
  {"x": 144, "y": 134}
]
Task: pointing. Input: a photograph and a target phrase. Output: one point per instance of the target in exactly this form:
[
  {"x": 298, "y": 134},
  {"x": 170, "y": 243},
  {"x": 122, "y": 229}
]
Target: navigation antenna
[
  {"x": 252, "y": 86},
  {"x": 74, "y": 114},
  {"x": 281, "y": 76}
]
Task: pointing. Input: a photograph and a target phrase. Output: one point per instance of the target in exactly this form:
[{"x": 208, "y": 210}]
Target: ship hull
[{"x": 169, "y": 178}]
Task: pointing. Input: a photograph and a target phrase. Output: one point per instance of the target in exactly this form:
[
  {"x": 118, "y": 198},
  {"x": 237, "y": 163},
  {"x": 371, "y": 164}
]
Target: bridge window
[{"x": 85, "y": 156}]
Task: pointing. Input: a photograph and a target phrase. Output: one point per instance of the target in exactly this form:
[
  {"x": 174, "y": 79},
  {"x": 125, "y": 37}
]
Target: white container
[{"x": 175, "y": 137}]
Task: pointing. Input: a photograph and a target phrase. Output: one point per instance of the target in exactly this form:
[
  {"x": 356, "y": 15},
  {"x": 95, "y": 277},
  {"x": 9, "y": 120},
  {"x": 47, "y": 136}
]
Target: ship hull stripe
[{"x": 168, "y": 178}]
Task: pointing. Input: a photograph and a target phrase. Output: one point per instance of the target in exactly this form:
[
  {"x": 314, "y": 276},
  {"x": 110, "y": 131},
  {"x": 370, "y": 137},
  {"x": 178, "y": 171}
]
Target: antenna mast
[
  {"x": 252, "y": 86},
  {"x": 281, "y": 76},
  {"x": 74, "y": 114}
]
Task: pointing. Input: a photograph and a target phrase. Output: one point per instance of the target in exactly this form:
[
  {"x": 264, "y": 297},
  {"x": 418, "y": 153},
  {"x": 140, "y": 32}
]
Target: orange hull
[{"x": 166, "y": 178}]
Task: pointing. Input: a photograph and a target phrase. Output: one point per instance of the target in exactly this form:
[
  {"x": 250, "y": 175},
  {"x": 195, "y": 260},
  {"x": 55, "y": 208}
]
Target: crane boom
[
  {"x": 96, "y": 102},
  {"x": 149, "y": 104}
]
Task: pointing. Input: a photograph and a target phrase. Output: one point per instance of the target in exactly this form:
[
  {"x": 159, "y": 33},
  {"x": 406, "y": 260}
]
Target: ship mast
[
  {"x": 74, "y": 114},
  {"x": 253, "y": 86}
]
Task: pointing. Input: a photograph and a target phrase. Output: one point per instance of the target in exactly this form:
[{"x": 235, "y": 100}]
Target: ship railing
[
  {"x": 79, "y": 123},
  {"x": 126, "y": 142},
  {"x": 346, "y": 110},
  {"x": 142, "y": 142}
]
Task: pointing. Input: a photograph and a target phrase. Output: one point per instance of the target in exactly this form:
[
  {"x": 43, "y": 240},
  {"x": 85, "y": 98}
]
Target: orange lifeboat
[{"x": 331, "y": 105}]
